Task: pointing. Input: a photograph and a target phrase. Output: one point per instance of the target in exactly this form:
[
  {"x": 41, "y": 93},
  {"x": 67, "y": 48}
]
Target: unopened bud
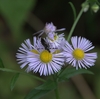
[
  {"x": 95, "y": 7},
  {"x": 85, "y": 6}
]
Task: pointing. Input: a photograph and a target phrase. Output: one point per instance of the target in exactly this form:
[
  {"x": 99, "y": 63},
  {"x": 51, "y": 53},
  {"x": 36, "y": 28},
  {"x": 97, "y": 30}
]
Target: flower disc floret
[
  {"x": 45, "y": 56},
  {"x": 78, "y": 54}
]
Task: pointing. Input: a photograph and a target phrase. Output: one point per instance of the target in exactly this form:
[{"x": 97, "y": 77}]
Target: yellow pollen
[
  {"x": 78, "y": 54},
  {"x": 56, "y": 51},
  {"x": 34, "y": 51},
  {"x": 45, "y": 56},
  {"x": 55, "y": 37}
]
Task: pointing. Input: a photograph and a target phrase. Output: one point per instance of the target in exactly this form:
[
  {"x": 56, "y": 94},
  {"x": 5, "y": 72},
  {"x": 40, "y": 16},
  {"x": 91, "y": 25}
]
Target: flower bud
[
  {"x": 95, "y": 7},
  {"x": 85, "y": 6}
]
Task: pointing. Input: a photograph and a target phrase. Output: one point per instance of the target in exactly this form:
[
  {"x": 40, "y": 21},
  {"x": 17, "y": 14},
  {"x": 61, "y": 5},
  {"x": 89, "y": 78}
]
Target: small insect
[{"x": 45, "y": 44}]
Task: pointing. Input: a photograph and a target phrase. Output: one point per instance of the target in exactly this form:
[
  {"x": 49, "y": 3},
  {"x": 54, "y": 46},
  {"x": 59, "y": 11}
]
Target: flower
[
  {"x": 22, "y": 55},
  {"x": 56, "y": 40},
  {"x": 49, "y": 27},
  {"x": 39, "y": 59},
  {"x": 77, "y": 55}
]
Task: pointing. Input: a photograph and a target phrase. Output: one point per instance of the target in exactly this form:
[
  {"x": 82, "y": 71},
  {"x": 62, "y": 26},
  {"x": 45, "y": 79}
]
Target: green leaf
[
  {"x": 13, "y": 81},
  {"x": 15, "y": 71},
  {"x": 1, "y": 63},
  {"x": 15, "y": 12},
  {"x": 41, "y": 90},
  {"x": 70, "y": 72},
  {"x": 48, "y": 85},
  {"x": 36, "y": 94},
  {"x": 74, "y": 10}
]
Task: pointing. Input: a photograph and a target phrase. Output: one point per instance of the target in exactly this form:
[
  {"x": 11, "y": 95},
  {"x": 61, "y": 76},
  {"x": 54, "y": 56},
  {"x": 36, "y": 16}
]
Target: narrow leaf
[
  {"x": 70, "y": 72},
  {"x": 41, "y": 90},
  {"x": 13, "y": 81},
  {"x": 1, "y": 63},
  {"x": 15, "y": 71},
  {"x": 74, "y": 10},
  {"x": 36, "y": 94}
]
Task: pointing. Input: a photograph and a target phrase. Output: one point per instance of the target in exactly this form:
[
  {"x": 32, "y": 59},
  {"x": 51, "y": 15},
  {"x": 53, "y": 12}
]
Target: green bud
[
  {"x": 95, "y": 7},
  {"x": 85, "y": 6}
]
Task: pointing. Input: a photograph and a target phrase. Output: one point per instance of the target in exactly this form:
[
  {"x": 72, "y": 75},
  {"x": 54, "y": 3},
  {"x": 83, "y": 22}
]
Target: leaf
[
  {"x": 41, "y": 90},
  {"x": 74, "y": 10},
  {"x": 15, "y": 71},
  {"x": 36, "y": 94},
  {"x": 49, "y": 85},
  {"x": 1, "y": 63},
  {"x": 13, "y": 81},
  {"x": 70, "y": 72},
  {"x": 9, "y": 70},
  {"x": 15, "y": 12}
]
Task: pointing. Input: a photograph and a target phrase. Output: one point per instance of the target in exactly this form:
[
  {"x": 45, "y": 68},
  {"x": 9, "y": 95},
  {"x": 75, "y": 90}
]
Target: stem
[
  {"x": 74, "y": 24},
  {"x": 57, "y": 93},
  {"x": 56, "y": 90}
]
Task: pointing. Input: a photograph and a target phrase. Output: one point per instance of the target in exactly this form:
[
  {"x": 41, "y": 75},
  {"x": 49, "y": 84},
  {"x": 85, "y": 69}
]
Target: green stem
[
  {"x": 57, "y": 93},
  {"x": 74, "y": 24},
  {"x": 14, "y": 71},
  {"x": 56, "y": 90}
]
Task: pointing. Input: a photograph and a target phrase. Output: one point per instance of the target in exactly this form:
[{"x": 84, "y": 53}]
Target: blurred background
[{"x": 20, "y": 19}]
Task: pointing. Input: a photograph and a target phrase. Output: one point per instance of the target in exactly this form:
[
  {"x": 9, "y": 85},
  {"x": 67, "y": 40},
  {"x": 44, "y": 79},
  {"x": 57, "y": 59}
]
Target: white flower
[
  {"x": 56, "y": 41},
  {"x": 77, "y": 55},
  {"x": 39, "y": 59},
  {"x": 49, "y": 27}
]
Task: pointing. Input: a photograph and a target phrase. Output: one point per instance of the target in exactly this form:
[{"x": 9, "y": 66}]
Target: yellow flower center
[
  {"x": 34, "y": 51},
  {"x": 45, "y": 56},
  {"x": 78, "y": 54}
]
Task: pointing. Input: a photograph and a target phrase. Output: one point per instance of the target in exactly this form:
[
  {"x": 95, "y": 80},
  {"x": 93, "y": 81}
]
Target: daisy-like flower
[
  {"x": 39, "y": 59},
  {"x": 56, "y": 40},
  {"x": 49, "y": 27},
  {"x": 77, "y": 55}
]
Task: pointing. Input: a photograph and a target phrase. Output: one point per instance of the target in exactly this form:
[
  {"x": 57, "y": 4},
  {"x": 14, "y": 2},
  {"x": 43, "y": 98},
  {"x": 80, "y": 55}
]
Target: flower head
[
  {"x": 77, "y": 55},
  {"x": 39, "y": 59},
  {"x": 56, "y": 40},
  {"x": 49, "y": 27}
]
